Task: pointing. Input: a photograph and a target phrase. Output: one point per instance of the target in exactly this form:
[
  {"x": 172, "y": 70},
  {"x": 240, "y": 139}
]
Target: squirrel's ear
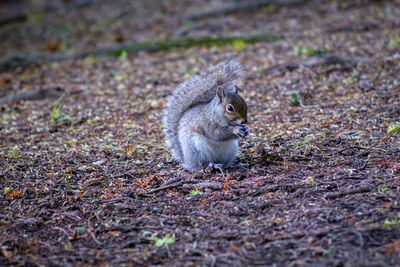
[
  {"x": 236, "y": 90},
  {"x": 220, "y": 93}
]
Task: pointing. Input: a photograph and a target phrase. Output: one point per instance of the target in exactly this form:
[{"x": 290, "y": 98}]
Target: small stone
[
  {"x": 100, "y": 162},
  {"x": 333, "y": 126}
]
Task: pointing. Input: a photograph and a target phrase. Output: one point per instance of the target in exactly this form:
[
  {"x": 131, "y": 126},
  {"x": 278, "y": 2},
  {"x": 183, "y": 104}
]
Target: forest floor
[{"x": 85, "y": 175}]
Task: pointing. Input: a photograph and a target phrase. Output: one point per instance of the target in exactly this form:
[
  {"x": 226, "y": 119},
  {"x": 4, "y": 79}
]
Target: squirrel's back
[{"x": 197, "y": 90}]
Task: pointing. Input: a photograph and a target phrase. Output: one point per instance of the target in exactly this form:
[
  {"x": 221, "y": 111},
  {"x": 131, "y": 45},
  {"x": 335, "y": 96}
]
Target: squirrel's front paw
[{"x": 241, "y": 130}]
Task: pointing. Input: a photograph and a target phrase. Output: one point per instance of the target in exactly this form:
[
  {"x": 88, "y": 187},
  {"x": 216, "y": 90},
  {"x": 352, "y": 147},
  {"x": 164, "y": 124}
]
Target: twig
[
  {"x": 146, "y": 143},
  {"x": 31, "y": 95},
  {"x": 93, "y": 235},
  {"x": 330, "y": 70},
  {"x": 169, "y": 186},
  {"x": 241, "y": 6},
  {"x": 110, "y": 201},
  {"x": 6, "y": 216},
  {"x": 365, "y": 26},
  {"x": 328, "y": 59},
  {"x": 172, "y": 181},
  {"x": 351, "y": 147},
  {"x": 62, "y": 230},
  {"x": 360, "y": 147},
  {"x": 14, "y": 19},
  {"x": 212, "y": 185},
  {"x": 318, "y": 60},
  {"x": 335, "y": 195},
  {"x": 166, "y": 187},
  {"x": 274, "y": 188},
  {"x": 17, "y": 60}
]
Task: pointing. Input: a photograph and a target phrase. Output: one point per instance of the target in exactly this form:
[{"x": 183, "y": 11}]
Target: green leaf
[
  {"x": 4, "y": 119},
  {"x": 294, "y": 99},
  {"x": 35, "y": 17},
  {"x": 165, "y": 241},
  {"x": 306, "y": 50},
  {"x": 239, "y": 44},
  {"x": 119, "y": 76},
  {"x": 394, "y": 128},
  {"x": 122, "y": 55},
  {"x": 169, "y": 239},
  {"x": 80, "y": 229},
  {"x": 195, "y": 192},
  {"x": 394, "y": 41},
  {"x": 89, "y": 60},
  {"x": 390, "y": 222},
  {"x": 159, "y": 243},
  {"x": 310, "y": 180}
]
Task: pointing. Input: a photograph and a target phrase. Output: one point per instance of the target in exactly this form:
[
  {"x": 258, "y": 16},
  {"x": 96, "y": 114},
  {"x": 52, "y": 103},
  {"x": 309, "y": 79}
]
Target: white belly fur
[{"x": 216, "y": 152}]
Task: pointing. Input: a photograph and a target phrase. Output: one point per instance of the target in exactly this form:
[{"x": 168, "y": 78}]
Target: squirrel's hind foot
[{"x": 215, "y": 166}]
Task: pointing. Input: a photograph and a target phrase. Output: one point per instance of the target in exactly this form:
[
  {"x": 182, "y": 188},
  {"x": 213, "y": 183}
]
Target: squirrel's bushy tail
[{"x": 197, "y": 90}]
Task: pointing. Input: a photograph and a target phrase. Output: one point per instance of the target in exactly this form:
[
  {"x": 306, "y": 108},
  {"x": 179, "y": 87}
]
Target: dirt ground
[{"x": 85, "y": 175}]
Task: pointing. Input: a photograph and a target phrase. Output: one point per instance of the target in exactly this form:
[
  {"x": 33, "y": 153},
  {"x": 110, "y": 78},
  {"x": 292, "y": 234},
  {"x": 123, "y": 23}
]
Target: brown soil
[{"x": 86, "y": 179}]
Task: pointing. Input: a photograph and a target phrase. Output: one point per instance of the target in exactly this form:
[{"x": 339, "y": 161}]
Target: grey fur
[{"x": 194, "y": 103}]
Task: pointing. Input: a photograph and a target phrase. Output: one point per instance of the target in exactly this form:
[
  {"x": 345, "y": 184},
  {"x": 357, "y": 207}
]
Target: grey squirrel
[{"x": 205, "y": 117}]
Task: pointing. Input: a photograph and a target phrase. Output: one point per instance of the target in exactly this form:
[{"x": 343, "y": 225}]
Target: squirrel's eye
[{"x": 229, "y": 108}]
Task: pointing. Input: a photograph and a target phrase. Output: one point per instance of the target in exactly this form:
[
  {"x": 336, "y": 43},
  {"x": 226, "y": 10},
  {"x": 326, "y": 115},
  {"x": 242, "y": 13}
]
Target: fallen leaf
[
  {"x": 7, "y": 253},
  {"x": 15, "y": 194},
  {"x": 5, "y": 80},
  {"x": 392, "y": 246},
  {"x": 51, "y": 46}
]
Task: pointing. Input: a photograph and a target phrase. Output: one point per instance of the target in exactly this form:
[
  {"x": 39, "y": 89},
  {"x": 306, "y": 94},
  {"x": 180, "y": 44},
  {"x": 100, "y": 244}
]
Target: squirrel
[{"x": 205, "y": 117}]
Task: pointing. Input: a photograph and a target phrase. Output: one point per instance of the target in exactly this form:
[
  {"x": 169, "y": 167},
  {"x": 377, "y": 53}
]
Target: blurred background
[{"x": 71, "y": 26}]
